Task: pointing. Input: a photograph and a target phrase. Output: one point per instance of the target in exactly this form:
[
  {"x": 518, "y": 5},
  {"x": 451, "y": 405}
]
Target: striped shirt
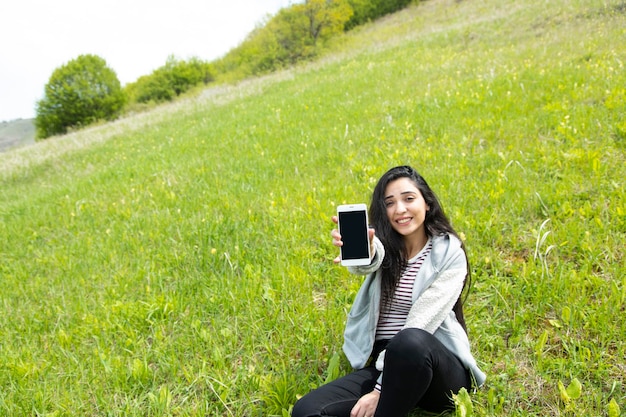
[{"x": 393, "y": 315}]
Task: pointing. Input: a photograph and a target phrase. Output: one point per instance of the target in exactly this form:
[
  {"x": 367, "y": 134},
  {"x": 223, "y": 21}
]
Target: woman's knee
[
  {"x": 411, "y": 337},
  {"x": 303, "y": 408},
  {"x": 409, "y": 343}
]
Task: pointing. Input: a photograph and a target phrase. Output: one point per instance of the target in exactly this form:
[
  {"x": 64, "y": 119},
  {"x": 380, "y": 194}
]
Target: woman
[{"x": 405, "y": 335}]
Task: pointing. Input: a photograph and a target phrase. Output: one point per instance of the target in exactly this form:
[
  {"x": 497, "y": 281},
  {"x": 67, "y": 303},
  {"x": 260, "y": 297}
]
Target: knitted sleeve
[{"x": 436, "y": 302}]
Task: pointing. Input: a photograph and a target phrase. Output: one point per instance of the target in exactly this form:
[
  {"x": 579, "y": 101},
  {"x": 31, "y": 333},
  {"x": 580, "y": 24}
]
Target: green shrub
[
  {"x": 78, "y": 93},
  {"x": 368, "y": 10},
  {"x": 183, "y": 75},
  {"x": 170, "y": 80},
  {"x": 150, "y": 88}
]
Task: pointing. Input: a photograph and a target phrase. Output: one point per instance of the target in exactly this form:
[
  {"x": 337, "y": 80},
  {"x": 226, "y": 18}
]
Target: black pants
[{"x": 419, "y": 372}]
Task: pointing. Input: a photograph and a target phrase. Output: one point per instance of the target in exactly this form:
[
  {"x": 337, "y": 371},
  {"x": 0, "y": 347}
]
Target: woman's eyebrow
[{"x": 402, "y": 193}]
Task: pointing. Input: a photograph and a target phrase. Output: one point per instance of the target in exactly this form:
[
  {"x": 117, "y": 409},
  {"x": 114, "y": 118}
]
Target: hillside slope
[
  {"x": 178, "y": 262},
  {"x": 16, "y": 133}
]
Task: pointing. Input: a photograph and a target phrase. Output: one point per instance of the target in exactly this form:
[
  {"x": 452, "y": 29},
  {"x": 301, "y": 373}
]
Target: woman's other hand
[{"x": 366, "y": 406}]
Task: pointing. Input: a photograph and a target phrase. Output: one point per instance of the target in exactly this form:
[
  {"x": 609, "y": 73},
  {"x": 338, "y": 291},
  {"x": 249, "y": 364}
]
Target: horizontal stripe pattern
[{"x": 393, "y": 319}]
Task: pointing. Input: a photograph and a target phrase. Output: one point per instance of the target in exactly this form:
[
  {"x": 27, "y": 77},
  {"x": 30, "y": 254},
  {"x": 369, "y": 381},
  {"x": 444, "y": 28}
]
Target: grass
[{"x": 179, "y": 263}]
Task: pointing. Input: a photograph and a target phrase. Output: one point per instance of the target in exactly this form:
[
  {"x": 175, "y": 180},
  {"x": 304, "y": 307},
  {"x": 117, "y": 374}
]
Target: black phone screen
[{"x": 353, "y": 230}]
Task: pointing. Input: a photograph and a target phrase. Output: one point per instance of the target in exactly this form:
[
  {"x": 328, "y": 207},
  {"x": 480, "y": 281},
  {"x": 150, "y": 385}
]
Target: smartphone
[{"x": 352, "y": 222}]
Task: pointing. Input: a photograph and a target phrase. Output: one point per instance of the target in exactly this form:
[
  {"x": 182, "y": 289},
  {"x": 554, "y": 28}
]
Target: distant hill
[{"x": 16, "y": 133}]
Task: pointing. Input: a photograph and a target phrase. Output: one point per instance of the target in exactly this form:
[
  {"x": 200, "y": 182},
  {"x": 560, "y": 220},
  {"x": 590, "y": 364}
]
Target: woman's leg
[
  {"x": 419, "y": 371},
  {"x": 337, "y": 397}
]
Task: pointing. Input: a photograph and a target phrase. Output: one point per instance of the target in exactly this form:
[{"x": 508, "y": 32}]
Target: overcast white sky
[{"x": 133, "y": 36}]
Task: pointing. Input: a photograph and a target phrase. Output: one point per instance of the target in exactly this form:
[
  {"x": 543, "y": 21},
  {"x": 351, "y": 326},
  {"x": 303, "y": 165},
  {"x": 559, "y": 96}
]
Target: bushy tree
[
  {"x": 183, "y": 75},
  {"x": 292, "y": 35},
  {"x": 170, "y": 80},
  {"x": 325, "y": 18},
  {"x": 78, "y": 93},
  {"x": 300, "y": 28},
  {"x": 150, "y": 88},
  {"x": 257, "y": 54}
]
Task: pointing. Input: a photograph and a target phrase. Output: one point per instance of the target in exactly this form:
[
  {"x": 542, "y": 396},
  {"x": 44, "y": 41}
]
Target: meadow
[{"x": 179, "y": 263}]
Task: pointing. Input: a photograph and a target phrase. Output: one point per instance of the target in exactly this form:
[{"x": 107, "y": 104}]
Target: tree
[
  {"x": 290, "y": 31},
  {"x": 78, "y": 93},
  {"x": 326, "y": 18},
  {"x": 300, "y": 28},
  {"x": 294, "y": 34}
]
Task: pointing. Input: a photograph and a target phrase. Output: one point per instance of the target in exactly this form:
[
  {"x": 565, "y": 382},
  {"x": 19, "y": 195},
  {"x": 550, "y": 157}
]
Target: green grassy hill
[{"x": 178, "y": 262}]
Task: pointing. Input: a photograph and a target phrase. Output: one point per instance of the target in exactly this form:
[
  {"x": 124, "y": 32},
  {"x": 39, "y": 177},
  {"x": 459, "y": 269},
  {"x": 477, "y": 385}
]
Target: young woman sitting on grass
[{"x": 405, "y": 335}]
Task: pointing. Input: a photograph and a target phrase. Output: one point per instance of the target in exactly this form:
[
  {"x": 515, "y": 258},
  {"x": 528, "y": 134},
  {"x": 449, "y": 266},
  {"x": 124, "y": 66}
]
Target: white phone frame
[{"x": 351, "y": 208}]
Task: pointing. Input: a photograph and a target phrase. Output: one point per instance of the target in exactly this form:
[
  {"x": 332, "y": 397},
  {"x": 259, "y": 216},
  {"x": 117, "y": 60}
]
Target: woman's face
[{"x": 406, "y": 208}]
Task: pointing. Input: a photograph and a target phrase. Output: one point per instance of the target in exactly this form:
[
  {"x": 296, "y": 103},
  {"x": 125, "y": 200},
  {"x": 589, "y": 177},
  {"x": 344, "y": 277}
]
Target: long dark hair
[{"x": 436, "y": 223}]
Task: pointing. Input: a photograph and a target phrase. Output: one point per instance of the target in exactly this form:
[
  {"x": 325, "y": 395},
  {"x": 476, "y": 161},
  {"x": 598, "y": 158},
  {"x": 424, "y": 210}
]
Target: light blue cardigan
[{"x": 437, "y": 287}]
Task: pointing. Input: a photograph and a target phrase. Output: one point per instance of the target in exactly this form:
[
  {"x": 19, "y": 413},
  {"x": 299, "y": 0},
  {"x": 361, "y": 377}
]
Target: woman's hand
[
  {"x": 366, "y": 406},
  {"x": 337, "y": 241}
]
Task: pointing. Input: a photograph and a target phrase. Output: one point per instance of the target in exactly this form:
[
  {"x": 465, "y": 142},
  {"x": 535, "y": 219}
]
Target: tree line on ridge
[{"x": 85, "y": 90}]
